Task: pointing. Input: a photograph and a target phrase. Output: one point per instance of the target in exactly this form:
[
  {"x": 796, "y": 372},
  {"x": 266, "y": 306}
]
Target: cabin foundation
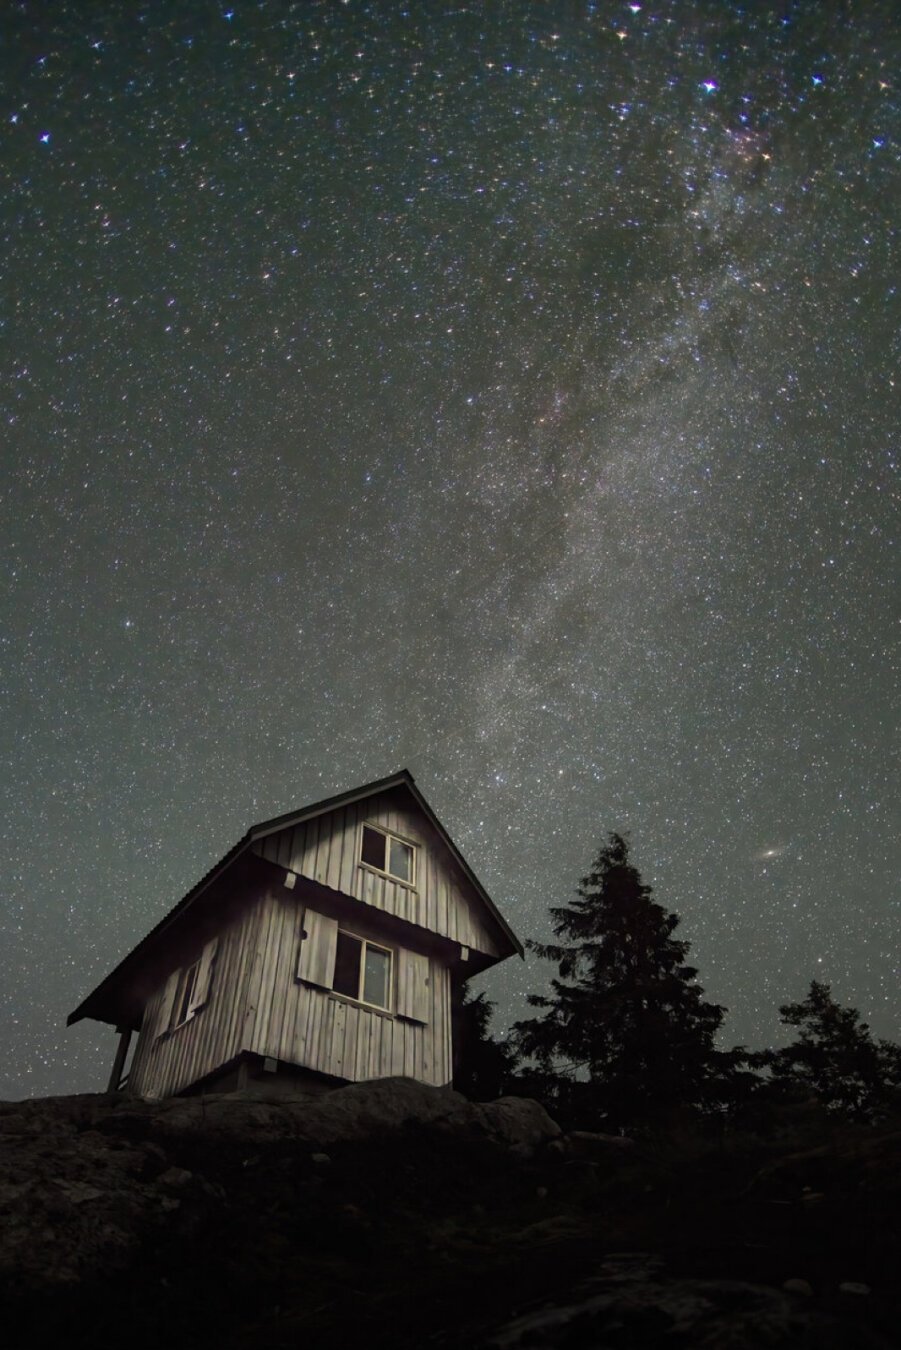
[{"x": 261, "y": 1076}]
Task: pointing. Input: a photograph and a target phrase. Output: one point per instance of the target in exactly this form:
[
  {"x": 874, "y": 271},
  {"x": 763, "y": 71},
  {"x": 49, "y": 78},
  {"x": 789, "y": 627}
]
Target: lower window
[
  {"x": 185, "y": 995},
  {"x": 362, "y": 970}
]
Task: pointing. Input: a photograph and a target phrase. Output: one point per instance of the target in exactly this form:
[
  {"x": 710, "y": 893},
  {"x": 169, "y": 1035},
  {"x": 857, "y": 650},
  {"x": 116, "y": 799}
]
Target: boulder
[
  {"x": 635, "y": 1303},
  {"x": 85, "y": 1182},
  {"x": 348, "y": 1115},
  {"x": 589, "y": 1144}
]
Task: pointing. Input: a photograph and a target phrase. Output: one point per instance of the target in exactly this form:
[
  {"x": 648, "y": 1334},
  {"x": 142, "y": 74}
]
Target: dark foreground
[{"x": 391, "y": 1214}]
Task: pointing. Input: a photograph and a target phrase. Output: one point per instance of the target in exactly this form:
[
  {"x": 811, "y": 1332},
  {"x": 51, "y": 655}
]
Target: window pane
[
  {"x": 347, "y": 966},
  {"x": 373, "y": 848},
  {"x": 376, "y": 976},
  {"x": 401, "y": 860}
]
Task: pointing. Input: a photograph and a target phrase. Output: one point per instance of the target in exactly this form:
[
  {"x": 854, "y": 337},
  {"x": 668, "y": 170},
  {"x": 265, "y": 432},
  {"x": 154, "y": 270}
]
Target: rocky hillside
[{"x": 393, "y": 1214}]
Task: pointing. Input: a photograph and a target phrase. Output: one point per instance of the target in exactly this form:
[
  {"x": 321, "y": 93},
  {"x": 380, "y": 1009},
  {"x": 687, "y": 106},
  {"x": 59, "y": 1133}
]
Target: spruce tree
[{"x": 625, "y": 1033}]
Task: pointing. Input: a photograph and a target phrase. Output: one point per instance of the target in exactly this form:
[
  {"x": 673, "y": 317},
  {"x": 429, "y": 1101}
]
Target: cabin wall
[
  {"x": 298, "y": 1023},
  {"x": 327, "y": 849},
  {"x": 164, "y": 1065}
]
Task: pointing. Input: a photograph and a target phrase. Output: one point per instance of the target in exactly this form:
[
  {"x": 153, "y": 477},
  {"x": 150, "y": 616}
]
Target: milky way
[{"x": 504, "y": 391}]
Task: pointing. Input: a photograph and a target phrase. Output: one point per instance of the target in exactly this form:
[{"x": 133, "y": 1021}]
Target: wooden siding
[
  {"x": 295, "y": 1022},
  {"x": 164, "y": 1065},
  {"x": 327, "y": 849}
]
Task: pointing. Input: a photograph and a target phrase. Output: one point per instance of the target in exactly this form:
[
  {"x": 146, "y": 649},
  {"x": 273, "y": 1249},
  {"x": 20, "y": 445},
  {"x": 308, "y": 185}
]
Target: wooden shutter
[
  {"x": 412, "y": 986},
  {"x": 164, "y": 1015},
  {"x": 201, "y": 992},
  {"x": 316, "y": 962}
]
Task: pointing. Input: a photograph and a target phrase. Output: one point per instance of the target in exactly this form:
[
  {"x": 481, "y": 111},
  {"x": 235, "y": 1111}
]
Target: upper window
[
  {"x": 362, "y": 970},
  {"x": 389, "y": 854}
]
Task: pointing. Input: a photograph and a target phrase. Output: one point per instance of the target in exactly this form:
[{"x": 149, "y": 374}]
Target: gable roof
[{"x": 402, "y": 779}]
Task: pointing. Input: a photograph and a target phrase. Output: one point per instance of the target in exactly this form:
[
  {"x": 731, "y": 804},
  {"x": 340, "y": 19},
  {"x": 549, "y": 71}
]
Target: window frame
[
  {"x": 358, "y": 997},
  {"x": 388, "y": 835},
  {"x": 184, "y": 993},
  {"x": 188, "y": 989}
]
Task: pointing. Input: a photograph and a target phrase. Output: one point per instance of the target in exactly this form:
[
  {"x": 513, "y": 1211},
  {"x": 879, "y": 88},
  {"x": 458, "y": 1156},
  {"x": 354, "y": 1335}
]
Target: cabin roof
[{"x": 90, "y": 1006}]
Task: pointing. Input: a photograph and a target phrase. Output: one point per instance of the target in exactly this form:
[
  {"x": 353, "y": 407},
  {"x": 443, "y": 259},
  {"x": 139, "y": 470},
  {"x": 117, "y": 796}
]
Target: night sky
[{"x": 503, "y": 391}]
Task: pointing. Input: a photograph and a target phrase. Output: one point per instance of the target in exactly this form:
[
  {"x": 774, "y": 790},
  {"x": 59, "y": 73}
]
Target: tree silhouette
[
  {"x": 625, "y": 1034},
  {"x": 482, "y": 1065},
  {"x": 835, "y": 1057}
]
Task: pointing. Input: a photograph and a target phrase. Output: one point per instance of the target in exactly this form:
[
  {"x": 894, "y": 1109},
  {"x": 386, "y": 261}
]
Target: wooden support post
[{"x": 115, "y": 1077}]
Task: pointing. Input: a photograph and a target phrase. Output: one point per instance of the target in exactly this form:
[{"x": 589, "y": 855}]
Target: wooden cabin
[{"x": 324, "y": 948}]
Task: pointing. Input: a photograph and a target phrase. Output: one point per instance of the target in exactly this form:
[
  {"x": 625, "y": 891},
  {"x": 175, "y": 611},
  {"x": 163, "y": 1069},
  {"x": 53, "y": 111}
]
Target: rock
[
  {"x": 859, "y": 1162},
  {"x": 362, "y": 1111},
  {"x": 85, "y": 1182},
  {"x": 798, "y": 1287},
  {"x": 79, "y": 1193},
  {"x": 175, "y": 1177},
  {"x": 550, "y": 1232},
  {"x": 351, "y": 1114},
  {"x": 516, "y": 1123},
  {"x": 588, "y": 1144},
  {"x": 122, "y": 1219},
  {"x": 638, "y": 1305}
]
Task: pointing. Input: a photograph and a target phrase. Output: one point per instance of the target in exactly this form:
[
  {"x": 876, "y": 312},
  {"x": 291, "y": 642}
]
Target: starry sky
[{"x": 506, "y": 391}]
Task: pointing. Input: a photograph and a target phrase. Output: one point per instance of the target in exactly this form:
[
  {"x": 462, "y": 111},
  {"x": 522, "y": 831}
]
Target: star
[{"x": 493, "y": 396}]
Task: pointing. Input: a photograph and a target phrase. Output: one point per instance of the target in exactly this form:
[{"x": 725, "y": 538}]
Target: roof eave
[
  {"x": 401, "y": 779},
  {"x": 105, "y": 986}
]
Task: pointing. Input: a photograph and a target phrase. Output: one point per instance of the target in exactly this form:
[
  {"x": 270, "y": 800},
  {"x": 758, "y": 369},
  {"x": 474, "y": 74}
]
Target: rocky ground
[{"x": 392, "y": 1214}]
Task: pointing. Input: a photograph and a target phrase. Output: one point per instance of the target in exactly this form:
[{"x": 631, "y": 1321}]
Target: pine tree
[
  {"x": 835, "y": 1056},
  {"x": 626, "y": 1033}
]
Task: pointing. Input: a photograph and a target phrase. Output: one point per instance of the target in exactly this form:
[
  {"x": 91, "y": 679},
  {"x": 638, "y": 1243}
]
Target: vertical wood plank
[
  {"x": 278, "y": 991},
  {"x": 314, "y": 1030},
  {"x": 337, "y": 1048},
  {"x": 351, "y": 1032}
]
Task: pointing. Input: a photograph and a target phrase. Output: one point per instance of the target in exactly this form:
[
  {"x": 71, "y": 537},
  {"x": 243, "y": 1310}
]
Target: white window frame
[
  {"x": 410, "y": 973},
  {"x": 383, "y": 871},
  {"x": 358, "y": 997}
]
